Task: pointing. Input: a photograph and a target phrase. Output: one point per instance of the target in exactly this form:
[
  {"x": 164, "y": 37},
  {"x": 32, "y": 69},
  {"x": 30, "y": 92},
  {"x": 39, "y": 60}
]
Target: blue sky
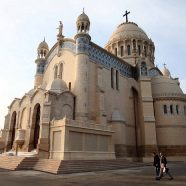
[{"x": 24, "y": 24}]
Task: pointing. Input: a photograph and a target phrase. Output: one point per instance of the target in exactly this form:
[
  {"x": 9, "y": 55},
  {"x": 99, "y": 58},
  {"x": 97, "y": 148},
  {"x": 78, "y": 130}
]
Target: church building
[{"x": 93, "y": 103}]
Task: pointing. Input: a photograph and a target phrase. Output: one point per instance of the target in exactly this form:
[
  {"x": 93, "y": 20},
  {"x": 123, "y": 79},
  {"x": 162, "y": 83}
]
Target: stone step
[
  {"x": 60, "y": 166},
  {"x": 17, "y": 163}
]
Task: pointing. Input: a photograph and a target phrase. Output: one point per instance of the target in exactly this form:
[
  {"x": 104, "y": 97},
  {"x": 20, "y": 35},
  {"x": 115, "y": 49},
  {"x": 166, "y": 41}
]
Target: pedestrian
[
  {"x": 156, "y": 163},
  {"x": 163, "y": 167}
]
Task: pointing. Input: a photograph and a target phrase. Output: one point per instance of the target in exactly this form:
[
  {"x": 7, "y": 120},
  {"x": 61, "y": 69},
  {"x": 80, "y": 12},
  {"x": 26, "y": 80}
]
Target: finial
[
  {"x": 44, "y": 39},
  {"x": 83, "y": 10},
  {"x": 164, "y": 65},
  {"x": 126, "y": 14}
]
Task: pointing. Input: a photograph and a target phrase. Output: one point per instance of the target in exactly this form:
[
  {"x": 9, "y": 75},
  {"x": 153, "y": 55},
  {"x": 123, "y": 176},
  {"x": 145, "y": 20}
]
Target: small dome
[
  {"x": 166, "y": 72},
  {"x": 83, "y": 23},
  {"x": 83, "y": 17},
  {"x": 43, "y": 45},
  {"x": 128, "y": 30},
  {"x": 57, "y": 86},
  {"x": 165, "y": 86}
]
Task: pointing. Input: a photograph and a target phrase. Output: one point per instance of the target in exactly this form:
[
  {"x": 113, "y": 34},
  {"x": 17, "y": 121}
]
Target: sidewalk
[{"x": 142, "y": 176}]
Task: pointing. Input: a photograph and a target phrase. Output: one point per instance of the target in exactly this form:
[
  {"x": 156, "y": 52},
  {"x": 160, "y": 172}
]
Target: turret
[
  {"x": 42, "y": 52},
  {"x": 82, "y": 66},
  {"x": 83, "y": 23}
]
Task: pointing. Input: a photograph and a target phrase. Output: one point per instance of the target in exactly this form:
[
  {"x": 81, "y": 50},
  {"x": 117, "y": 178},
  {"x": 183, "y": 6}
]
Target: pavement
[{"x": 136, "y": 176}]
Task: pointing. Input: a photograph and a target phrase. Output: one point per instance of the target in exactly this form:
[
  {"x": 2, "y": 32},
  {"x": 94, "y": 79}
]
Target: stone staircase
[
  {"x": 48, "y": 165},
  {"x": 63, "y": 166},
  {"x": 76, "y": 166},
  {"x": 17, "y": 163}
]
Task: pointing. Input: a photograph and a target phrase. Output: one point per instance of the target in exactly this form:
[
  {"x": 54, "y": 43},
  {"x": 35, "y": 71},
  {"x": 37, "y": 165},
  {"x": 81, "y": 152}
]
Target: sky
[{"x": 24, "y": 24}]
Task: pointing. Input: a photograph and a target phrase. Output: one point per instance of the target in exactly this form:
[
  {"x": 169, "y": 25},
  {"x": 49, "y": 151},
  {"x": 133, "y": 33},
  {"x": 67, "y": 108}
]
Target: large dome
[
  {"x": 128, "y": 30},
  {"x": 129, "y": 41}
]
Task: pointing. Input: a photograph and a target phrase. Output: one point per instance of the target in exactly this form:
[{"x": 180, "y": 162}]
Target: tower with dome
[{"x": 93, "y": 103}]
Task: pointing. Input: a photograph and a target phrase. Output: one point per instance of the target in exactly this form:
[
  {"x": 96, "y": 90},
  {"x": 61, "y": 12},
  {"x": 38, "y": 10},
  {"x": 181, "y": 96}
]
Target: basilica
[{"x": 93, "y": 103}]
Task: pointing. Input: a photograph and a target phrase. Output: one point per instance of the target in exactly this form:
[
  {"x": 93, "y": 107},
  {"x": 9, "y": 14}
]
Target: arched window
[
  {"x": 112, "y": 78},
  {"x": 128, "y": 50},
  {"x": 117, "y": 80},
  {"x": 139, "y": 50},
  {"x": 116, "y": 51},
  {"x": 171, "y": 109},
  {"x": 121, "y": 51},
  {"x": 55, "y": 71},
  {"x": 145, "y": 51},
  {"x": 143, "y": 69},
  {"x": 60, "y": 70},
  {"x": 177, "y": 109},
  {"x": 82, "y": 27},
  {"x": 165, "y": 109}
]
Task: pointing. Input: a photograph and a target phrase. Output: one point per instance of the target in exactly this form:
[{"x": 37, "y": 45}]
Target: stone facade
[{"x": 90, "y": 102}]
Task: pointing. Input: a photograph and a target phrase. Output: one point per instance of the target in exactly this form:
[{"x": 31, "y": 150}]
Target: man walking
[{"x": 156, "y": 164}]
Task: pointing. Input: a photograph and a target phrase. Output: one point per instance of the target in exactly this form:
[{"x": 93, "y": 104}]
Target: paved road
[{"x": 139, "y": 176}]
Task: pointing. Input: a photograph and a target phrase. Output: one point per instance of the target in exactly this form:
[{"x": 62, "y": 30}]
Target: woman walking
[{"x": 163, "y": 167}]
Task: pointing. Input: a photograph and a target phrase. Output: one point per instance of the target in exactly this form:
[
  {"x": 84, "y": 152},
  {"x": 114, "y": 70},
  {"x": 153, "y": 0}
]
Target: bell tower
[
  {"x": 82, "y": 39},
  {"x": 42, "y": 52}
]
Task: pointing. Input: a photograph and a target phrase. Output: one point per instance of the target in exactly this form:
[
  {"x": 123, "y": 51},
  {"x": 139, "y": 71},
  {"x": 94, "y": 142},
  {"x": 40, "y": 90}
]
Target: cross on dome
[{"x": 126, "y": 15}]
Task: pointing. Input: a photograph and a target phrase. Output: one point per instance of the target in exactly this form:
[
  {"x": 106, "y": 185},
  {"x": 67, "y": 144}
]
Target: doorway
[
  {"x": 13, "y": 126},
  {"x": 36, "y": 125}
]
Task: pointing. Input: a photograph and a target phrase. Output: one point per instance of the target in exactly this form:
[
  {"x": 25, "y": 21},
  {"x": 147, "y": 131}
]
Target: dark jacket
[{"x": 156, "y": 161}]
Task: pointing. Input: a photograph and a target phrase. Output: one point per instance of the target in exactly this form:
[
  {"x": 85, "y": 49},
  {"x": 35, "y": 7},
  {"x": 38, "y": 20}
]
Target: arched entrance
[
  {"x": 36, "y": 125},
  {"x": 13, "y": 126}
]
